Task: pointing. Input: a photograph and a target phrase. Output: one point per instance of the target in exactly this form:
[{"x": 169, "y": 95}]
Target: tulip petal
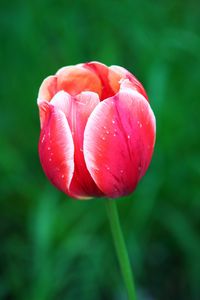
[
  {"x": 43, "y": 112},
  {"x": 47, "y": 89},
  {"x": 77, "y": 110},
  {"x": 109, "y": 78},
  {"x": 56, "y": 149},
  {"x": 118, "y": 142},
  {"x": 76, "y": 79},
  {"x": 125, "y": 74}
]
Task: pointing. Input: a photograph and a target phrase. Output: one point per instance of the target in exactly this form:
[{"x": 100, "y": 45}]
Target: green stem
[{"x": 121, "y": 248}]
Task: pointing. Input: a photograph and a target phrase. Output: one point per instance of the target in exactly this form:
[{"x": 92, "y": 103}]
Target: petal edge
[{"x": 56, "y": 150}]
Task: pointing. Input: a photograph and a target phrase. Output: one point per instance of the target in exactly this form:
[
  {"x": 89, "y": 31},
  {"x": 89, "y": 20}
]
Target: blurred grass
[{"x": 56, "y": 248}]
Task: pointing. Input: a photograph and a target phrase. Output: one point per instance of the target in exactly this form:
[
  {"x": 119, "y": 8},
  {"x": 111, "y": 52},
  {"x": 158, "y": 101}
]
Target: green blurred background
[{"x": 52, "y": 247}]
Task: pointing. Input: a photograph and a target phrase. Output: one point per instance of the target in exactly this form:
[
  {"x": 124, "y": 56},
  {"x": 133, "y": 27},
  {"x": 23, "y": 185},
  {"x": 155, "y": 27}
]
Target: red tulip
[{"x": 97, "y": 130}]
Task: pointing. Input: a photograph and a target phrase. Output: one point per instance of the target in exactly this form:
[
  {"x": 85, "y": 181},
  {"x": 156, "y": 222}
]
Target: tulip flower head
[{"x": 97, "y": 130}]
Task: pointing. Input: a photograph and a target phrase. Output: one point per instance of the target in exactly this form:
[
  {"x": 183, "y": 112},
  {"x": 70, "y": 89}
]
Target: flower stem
[{"x": 120, "y": 247}]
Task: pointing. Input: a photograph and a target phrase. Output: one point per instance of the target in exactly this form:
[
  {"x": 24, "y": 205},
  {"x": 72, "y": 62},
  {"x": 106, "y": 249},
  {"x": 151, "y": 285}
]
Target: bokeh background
[{"x": 52, "y": 247}]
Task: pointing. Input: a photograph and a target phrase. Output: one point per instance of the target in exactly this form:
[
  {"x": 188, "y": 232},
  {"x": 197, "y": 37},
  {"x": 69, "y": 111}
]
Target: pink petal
[
  {"x": 109, "y": 79},
  {"x": 43, "y": 112},
  {"x": 77, "y": 110},
  {"x": 56, "y": 149},
  {"x": 125, "y": 74},
  {"x": 60, "y": 100},
  {"x": 47, "y": 90},
  {"x": 118, "y": 142}
]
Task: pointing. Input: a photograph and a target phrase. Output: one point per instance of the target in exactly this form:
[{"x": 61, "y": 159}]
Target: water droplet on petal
[
  {"x": 48, "y": 148},
  {"x": 50, "y": 159},
  {"x": 113, "y": 121},
  {"x": 128, "y": 136},
  {"x": 63, "y": 176},
  {"x": 43, "y": 138},
  {"x": 103, "y": 138},
  {"x": 107, "y": 132}
]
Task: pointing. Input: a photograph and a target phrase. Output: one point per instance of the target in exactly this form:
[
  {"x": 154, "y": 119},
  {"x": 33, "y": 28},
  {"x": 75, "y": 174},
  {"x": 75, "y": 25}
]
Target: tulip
[
  {"x": 97, "y": 130},
  {"x": 97, "y": 139}
]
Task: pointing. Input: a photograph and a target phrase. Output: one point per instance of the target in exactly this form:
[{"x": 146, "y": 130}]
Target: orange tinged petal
[{"x": 76, "y": 79}]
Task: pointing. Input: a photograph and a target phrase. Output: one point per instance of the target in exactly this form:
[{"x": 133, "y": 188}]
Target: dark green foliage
[{"x": 56, "y": 248}]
